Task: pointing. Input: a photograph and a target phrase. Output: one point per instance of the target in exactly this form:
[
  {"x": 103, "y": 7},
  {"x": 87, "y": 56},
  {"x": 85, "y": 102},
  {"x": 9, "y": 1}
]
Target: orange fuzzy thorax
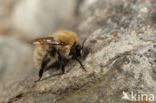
[{"x": 67, "y": 37}]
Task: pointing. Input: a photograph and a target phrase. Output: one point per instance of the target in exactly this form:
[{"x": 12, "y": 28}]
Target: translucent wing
[{"x": 46, "y": 41}]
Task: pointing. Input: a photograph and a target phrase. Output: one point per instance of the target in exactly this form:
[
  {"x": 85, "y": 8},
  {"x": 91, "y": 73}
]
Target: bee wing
[{"x": 46, "y": 41}]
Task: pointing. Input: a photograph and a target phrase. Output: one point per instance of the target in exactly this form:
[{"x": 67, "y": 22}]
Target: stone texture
[{"x": 121, "y": 37}]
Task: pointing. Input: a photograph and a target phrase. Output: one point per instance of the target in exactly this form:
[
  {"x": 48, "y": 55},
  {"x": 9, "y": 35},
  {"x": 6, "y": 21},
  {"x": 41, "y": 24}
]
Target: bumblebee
[{"x": 56, "y": 51}]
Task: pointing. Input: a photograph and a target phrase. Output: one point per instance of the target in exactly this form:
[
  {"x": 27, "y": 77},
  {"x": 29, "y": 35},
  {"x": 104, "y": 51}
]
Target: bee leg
[
  {"x": 43, "y": 65},
  {"x": 61, "y": 62},
  {"x": 81, "y": 64},
  {"x": 62, "y": 68}
]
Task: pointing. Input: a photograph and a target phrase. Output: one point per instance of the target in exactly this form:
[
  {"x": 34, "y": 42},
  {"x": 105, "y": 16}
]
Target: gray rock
[{"x": 121, "y": 39}]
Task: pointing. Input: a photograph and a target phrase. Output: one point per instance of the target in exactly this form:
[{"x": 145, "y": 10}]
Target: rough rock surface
[{"x": 121, "y": 36}]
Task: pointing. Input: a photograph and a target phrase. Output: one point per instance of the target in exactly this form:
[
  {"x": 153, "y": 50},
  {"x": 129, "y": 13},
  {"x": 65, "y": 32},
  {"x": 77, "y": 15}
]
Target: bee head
[{"x": 76, "y": 50}]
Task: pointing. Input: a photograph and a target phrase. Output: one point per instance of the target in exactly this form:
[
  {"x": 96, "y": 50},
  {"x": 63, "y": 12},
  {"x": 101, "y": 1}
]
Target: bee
[{"x": 57, "y": 50}]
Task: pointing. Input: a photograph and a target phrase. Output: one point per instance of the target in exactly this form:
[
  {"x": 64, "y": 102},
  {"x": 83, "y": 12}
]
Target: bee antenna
[
  {"x": 80, "y": 64},
  {"x": 83, "y": 43}
]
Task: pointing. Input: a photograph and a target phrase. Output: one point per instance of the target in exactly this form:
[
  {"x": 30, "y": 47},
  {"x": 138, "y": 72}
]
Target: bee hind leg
[{"x": 43, "y": 65}]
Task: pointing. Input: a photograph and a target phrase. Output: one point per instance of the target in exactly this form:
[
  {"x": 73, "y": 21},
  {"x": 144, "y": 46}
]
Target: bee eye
[{"x": 78, "y": 48}]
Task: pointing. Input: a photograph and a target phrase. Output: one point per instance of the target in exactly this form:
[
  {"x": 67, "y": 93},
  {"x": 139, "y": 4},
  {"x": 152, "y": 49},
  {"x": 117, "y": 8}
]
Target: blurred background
[
  {"x": 122, "y": 44},
  {"x": 24, "y": 20}
]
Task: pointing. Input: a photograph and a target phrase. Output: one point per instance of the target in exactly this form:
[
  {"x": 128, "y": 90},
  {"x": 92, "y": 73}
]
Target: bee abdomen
[{"x": 39, "y": 54}]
